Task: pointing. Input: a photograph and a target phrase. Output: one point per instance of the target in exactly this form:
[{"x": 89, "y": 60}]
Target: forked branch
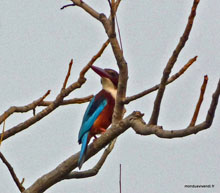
[
  {"x": 23, "y": 109},
  {"x": 142, "y": 128},
  {"x": 94, "y": 171},
  {"x": 13, "y": 175},
  {"x": 156, "y": 109}
]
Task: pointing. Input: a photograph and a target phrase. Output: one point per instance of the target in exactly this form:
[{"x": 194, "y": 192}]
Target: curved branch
[
  {"x": 94, "y": 171},
  {"x": 142, "y": 128},
  {"x": 156, "y": 109}
]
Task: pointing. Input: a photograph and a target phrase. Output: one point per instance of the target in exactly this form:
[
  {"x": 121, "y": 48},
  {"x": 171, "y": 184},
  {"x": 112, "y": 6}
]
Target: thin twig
[
  {"x": 68, "y": 101},
  {"x": 117, "y": 5},
  {"x": 87, "y": 8},
  {"x": 11, "y": 170},
  {"x": 154, "y": 88},
  {"x": 69, "y": 5},
  {"x": 120, "y": 178},
  {"x": 119, "y": 34},
  {"x": 68, "y": 74},
  {"x": 112, "y": 16},
  {"x": 94, "y": 58},
  {"x": 156, "y": 109},
  {"x": 23, "y": 109},
  {"x": 94, "y": 171},
  {"x": 202, "y": 92},
  {"x": 2, "y": 134}
]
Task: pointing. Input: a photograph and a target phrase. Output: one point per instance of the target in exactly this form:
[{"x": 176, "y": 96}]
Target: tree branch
[
  {"x": 68, "y": 74},
  {"x": 154, "y": 88},
  {"x": 211, "y": 113},
  {"x": 58, "y": 101},
  {"x": 142, "y": 128},
  {"x": 63, "y": 169},
  {"x": 135, "y": 121},
  {"x": 13, "y": 175},
  {"x": 23, "y": 109},
  {"x": 94, "y": 171},
  {"x": 122, "y": 64},
  {"x": 202, "y": 92},
  {"x": 2, "y": 134},
  {"x": 69, "y": 5},
  {"x": 87, "y": 8},
  {"x": 69, "y": 101},
  {"x": 156, "y": 109}
]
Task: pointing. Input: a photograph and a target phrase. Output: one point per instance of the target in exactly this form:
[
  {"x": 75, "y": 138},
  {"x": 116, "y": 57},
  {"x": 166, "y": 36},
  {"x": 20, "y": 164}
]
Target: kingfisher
[{"x": 98, "y": 115}]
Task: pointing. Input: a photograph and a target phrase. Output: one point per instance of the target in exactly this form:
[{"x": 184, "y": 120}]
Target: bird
[{"x": 98, "y": 115}]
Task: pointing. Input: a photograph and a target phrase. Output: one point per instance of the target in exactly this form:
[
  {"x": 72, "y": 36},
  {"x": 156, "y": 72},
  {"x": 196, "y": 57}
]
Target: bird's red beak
[{"x": 101, "y": 72}]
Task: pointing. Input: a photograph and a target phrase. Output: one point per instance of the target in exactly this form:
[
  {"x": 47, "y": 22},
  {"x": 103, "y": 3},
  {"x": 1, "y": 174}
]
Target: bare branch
[
  {"x": 211, "y": 113},
  {"x": 112, "y": 15},
  {"x": 57, "y": 102},
  {"x": 117, "y": 5},
  {"x": 69, "y": 5},
  {"x": 22, "y": 109},
  {"x": 136, "y": 122},
  {"x": 87, "y": 8},
  {"x": 154, "y": 88},
  {"x": 3, "y": 131},
  {"x": 119, "y": 33},
  {"x": 202, "y": 92},
  {"x": 122, "y": 64},
  {"x": 13, "y": 175},
  {"x": 68, "y": 74},
  {"x": 120, "y": 178},
  {"x": 170, "y": 64},
  {"x": 94, "y": 58},
  {"x": 142, "y": 128},
  {"x": 63, "y": 169},
  {"x": 94, "y": 171},
  {"x": 69, "y": 101}
]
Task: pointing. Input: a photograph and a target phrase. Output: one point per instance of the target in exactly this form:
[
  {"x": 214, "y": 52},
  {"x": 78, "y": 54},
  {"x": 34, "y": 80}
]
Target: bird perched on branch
[{"x": 98, "y": 115}]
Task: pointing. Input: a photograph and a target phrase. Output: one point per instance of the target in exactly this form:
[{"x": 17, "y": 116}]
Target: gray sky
[{"x": 37, "y": 41}]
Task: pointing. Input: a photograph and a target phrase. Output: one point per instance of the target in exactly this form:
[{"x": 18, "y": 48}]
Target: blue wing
[{"x": 96, "y": 106}]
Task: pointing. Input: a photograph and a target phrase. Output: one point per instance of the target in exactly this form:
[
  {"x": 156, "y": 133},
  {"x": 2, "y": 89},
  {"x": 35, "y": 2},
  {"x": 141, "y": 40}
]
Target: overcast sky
[{"x": 37, "y": 41}]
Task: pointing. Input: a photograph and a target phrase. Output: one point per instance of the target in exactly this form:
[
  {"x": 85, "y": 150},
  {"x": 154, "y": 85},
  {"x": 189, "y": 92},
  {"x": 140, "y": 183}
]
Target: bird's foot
[{"x": 102, "y": 130}]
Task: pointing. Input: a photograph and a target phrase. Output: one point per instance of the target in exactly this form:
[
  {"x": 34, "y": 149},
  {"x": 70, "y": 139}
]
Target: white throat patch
[{"x": 109, "y": 87}]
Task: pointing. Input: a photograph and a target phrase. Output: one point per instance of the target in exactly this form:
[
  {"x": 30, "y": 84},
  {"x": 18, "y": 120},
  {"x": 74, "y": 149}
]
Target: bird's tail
[{"x": 82, "y": 155}]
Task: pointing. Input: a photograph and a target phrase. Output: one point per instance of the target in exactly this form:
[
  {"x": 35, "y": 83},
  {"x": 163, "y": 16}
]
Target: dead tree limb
[
  {"x": 135, "y": 121},
  {"x": 23, "y": 109},
  {"x": 12, "y": 172},
  {"x": 202, "y": 92},
  {"x": 58, "y": 101},
  {"x": 94, "y": 171},
  {"x": 156, "y": 109}
]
